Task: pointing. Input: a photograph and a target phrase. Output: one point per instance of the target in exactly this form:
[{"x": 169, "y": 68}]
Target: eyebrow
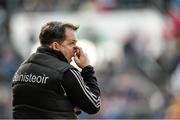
[{"x": 74, "y": 40}]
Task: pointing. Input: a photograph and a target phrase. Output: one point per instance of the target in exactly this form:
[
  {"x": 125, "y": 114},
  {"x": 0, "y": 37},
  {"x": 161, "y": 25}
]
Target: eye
[{"x": 73, "y": 43}]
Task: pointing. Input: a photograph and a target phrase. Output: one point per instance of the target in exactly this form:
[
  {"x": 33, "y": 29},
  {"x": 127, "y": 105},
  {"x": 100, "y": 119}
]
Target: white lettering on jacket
[{"x": 30, "y": 78}]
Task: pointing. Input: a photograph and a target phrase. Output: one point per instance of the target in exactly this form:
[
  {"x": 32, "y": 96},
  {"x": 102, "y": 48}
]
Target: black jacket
[{"x": 46, "y": 86}]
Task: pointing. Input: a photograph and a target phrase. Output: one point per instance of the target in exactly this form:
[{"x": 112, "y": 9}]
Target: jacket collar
[{"x": 45, "y": 49}]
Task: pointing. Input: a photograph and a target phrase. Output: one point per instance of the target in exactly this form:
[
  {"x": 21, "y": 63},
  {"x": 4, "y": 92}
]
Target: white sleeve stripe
[
  {"x": 86, "y": 92},
  {"x": 86, "y": 87},
  {"x": 92, "y": 93},
  {"x": 96, "y": 98}
]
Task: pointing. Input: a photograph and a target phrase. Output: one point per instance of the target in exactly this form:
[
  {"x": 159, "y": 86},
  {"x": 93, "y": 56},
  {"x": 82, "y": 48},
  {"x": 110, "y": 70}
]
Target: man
[{"x": 47, "y": 86}]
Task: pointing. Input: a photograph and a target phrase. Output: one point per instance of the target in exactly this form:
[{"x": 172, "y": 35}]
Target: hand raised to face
[{"x": 81, "y": 58}]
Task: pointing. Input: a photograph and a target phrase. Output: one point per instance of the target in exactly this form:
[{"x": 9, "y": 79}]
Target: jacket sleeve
[{"x": 82, "y": 89}]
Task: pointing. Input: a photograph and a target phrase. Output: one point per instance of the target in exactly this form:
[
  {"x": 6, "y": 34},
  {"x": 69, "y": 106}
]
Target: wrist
[
  {"x": 87, "y": 70},
  {"x": 84, "y": 66}
]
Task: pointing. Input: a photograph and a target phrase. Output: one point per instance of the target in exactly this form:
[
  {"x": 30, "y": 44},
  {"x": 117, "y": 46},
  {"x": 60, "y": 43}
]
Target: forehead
[
  {"x": 69, "y": 31},
  {"x": 70, "y": 34}
]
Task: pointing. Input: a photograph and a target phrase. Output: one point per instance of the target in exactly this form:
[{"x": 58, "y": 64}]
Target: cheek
[
  {"x": 69, "y": 52},
  {"x": 65, "y": 52},
  {"x": 71, "y": 49}
]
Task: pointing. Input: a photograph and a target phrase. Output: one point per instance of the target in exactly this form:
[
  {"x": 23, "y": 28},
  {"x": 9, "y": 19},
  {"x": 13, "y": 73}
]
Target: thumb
[{"x": 76, "y": 59}]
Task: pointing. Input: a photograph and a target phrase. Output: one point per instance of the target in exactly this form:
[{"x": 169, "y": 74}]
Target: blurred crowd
[{"x": 134, "y": 84}]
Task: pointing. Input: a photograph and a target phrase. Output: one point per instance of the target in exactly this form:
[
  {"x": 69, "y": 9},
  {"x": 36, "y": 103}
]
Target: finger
[
  {"x": 81, "y": 50},
  {"x": 76, "y": 59},
  {"x": 77, "y": 50},
  {"x": 77, "y": 47}
]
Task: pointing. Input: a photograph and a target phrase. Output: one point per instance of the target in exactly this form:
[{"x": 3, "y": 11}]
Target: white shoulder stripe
[{"x": 93, "y": 98}]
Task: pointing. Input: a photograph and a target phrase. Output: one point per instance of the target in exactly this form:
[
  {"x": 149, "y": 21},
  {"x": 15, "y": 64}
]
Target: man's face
[{"x": 68, "y": 47}]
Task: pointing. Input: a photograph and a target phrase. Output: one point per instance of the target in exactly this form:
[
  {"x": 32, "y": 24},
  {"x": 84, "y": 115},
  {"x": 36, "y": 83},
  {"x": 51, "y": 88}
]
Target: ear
[{"x": 55, "y": 46}]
